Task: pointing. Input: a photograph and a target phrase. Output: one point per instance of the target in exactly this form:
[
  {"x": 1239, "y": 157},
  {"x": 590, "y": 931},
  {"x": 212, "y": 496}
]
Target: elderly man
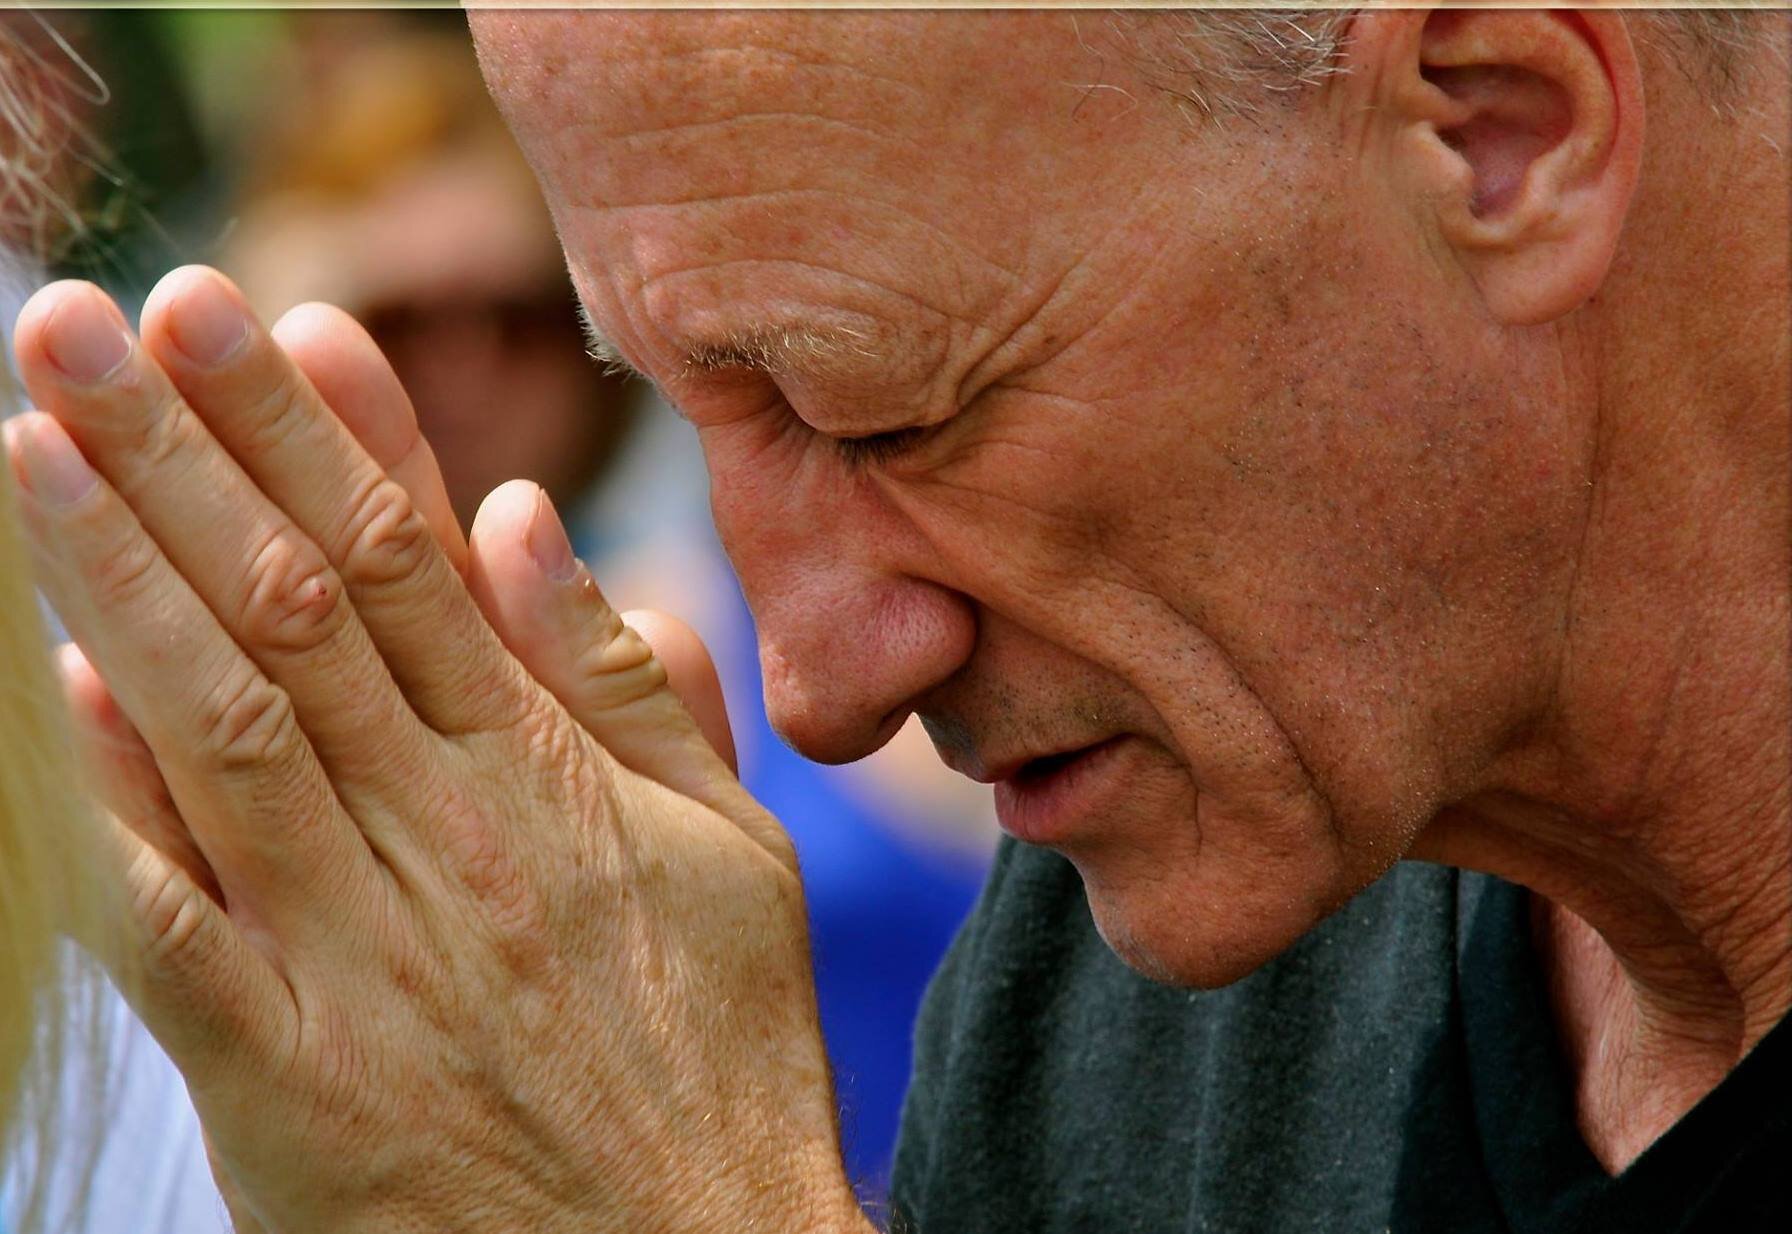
[{"x": 1265, "y": 450}]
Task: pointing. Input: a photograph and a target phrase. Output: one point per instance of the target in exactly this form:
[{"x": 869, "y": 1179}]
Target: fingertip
[
  {"x": 312, "y": 328},
  {"x": 45, "y": 460},
  {"x": 182, "y": 279},
  {"x": 42, "y": 304},
  {"x": 180, "y": 287},
  {"x": 505, "y": 514},
  {"x": 348, "y": 370},
  {"x": 313, "y": 317},
  {"x": 519, "y": 514},
  {"x": 69, "y": 330},
  {"x": 500, "y": 572}
]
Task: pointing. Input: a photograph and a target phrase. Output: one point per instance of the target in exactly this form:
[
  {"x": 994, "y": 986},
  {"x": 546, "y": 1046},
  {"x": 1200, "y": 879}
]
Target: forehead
[
  {"x": 872, "y": 167},
  {"x": 937, "y": 75}
]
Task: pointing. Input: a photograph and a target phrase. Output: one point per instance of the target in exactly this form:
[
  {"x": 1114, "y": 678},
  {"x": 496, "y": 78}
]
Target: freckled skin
[{"x": 1154, "y": 360}]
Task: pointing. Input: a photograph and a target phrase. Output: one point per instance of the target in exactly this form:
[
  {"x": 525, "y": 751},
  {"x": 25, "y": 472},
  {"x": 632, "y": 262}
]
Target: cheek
[
  {"x": 1383, "y": 553},
  {"x": 757, "y": 467},
  {"x": 1019, "y": 507}
]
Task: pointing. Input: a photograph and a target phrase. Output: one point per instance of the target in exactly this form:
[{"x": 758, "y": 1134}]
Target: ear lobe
[{"x": 1539, "y": 116}]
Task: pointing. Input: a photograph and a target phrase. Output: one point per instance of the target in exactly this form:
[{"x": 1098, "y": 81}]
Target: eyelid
[
  {"x": 857, "y": 451},
  {"x": 879, "y": 447}
]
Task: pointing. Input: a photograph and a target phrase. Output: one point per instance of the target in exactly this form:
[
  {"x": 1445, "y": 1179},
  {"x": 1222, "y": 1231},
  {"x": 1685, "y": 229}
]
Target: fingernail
[
  {"x": 85, "y": 340},
  {"x": 206, "y": 323},
  {"x": 548, "y": 544},
  {"x": 55, "y": 472}
]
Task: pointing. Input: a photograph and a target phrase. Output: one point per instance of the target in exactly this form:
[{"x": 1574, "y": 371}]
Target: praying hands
[{"x": 433, "y": 877}]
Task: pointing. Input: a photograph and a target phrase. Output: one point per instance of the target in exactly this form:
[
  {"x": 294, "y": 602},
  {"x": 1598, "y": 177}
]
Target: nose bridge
[{"x": 850, "y": 631}]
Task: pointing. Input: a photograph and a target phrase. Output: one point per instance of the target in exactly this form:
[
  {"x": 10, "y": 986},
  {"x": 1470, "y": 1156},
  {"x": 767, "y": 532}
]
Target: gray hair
[{"x": 1226, "y": 62}]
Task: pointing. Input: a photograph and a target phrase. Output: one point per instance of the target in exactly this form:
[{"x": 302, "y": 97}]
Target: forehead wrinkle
[
  {"x": 670, "y": 99},
  {"x": 746, "y": 119},
  {"x": 789, "y": 59},
  {"x": 703, "y": 76},
  {"x": 966, "y": 284}
]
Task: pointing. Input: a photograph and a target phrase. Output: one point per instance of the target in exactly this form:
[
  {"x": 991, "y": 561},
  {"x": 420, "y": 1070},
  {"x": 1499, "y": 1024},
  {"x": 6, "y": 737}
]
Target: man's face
[{"x": 1197, "y": 504}]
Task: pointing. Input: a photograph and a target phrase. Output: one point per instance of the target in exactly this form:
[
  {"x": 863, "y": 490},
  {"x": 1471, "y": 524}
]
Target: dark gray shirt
[{"x": 1395, "y": 1071}]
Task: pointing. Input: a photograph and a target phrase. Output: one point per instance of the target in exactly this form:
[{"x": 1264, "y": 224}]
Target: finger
[
  {"x": 213, "y": 1002},
  {"x": 270, "y": 585},
  {"x": 345, "y": 367},
  {"x": 691, "y": 674},
  {"x": 120, "y": 763},
  {"x": 263, "y": 411},
  {"x": 238, "y": 769},
  {"x": 547, "y": 608}
]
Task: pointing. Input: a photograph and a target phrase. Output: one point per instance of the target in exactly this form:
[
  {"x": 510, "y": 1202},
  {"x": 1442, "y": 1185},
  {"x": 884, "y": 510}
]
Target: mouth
[
  {"x": 1036, "y": 771},
  {"x": 1043, "y": 800},
  {"x": 1022, "y": 770}
]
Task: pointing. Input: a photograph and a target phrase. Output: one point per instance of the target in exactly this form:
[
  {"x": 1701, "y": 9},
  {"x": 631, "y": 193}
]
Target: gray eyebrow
[
  {"x": 766, "y": 349},
  {"x": 774, "y": 349},
  {"x": 603, "y": 351}
]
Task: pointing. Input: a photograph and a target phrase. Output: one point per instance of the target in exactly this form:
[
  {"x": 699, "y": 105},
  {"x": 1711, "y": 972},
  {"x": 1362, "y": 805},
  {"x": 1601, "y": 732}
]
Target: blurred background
[{"x": 354, "y": 157}]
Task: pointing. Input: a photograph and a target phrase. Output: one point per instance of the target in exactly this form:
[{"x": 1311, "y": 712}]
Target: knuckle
[
  {"x": 293, "y": 601},
  {"x": 170, "y": 908},
  {"x": 123, "y": 575},
  {"x": 618, "y": 669},
  {"x": 272, "y": 413},
  {"x": 247, "y": 725},
  {"x": 386, "y": 540},
  {"x": 166, "y": 435}
]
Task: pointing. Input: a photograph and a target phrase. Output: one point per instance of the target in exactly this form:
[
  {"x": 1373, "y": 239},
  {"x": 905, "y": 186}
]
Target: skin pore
[{"x": 1342, "y": 465}]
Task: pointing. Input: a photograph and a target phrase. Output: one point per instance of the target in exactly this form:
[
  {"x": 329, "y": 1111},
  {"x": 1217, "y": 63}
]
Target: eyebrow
[
  {"x": 765, "y": 349},
  {"x": 603, "y": 352}
]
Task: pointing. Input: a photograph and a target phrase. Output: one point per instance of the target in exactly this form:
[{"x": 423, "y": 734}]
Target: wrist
[{"x": 803, "y": 1193}]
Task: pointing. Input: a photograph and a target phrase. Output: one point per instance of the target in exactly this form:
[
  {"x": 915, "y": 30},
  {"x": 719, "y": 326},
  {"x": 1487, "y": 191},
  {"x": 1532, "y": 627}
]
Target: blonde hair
[
  {"x": 53, "y": 1030},
  {"x": 55, "y": 1025}
]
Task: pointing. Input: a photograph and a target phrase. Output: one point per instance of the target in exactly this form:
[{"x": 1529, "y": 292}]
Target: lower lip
[{"x": 1047, "y": 809}]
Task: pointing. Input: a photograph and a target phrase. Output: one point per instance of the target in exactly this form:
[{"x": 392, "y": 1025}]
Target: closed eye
[{"x": 879, "y": 447}]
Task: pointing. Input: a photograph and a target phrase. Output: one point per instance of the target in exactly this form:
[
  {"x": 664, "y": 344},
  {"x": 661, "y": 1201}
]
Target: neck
[
  {"x": 1649, "y": 812},
  {"x": 1647, "y": 804}
]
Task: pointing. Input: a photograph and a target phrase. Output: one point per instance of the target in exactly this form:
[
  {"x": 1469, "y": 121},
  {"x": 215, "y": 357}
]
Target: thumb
[
  {"x": 690, "y": 673},
  {"x": 547, "y": 609}
]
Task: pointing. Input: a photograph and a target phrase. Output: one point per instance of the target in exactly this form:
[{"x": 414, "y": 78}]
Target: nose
[
  {"x": 851, "y": 631},
  {"x": 844, "y": 653}
]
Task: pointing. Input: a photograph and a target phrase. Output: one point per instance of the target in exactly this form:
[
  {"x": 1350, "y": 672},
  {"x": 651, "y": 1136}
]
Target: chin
[{"x": 1171, "y": 931}]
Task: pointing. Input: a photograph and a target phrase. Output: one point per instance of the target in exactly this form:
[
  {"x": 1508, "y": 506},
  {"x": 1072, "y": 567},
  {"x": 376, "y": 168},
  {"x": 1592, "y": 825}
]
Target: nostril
[
  {"x": 828, "y": 735},
  {"x": 846, "y": 655}
]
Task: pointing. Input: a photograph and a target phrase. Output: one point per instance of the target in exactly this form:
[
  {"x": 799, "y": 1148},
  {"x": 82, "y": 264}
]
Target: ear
[{"x": 1524, "y": 138}]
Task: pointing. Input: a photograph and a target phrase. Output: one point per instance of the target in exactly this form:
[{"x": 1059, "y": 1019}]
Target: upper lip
[{"x": 995, "y": 770}]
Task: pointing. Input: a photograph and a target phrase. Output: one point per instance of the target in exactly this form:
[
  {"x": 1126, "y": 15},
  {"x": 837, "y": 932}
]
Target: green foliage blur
[{"x": 184, "y": 97}]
